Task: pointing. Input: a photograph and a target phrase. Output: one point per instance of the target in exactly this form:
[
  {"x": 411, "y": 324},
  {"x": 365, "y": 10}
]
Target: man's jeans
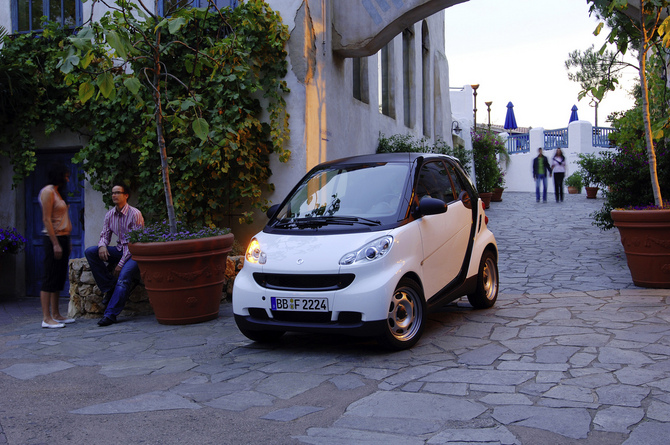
[
  {"x": 107, "y": 282},
  {"x": 543, "y": 179}
]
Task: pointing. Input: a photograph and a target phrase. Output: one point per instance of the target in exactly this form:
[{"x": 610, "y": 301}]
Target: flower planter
[
  {"x": 184, "y": 279},
  {"x": 591, "y": 192},
  {"x": 573, "y": 190},
  {"x": 486, "y": 198},
  {"x": 645, "y": 235},
  {"x": 497, "y": 194}
]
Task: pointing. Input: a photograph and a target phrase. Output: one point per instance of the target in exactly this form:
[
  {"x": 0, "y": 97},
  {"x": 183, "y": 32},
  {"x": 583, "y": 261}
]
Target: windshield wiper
[{"x": 319, "y": 221}]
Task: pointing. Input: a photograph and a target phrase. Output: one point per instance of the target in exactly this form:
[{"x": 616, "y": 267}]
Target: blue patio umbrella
[
  {"x": 510, "y": 120},
  {"x": 573, "y": 115}
]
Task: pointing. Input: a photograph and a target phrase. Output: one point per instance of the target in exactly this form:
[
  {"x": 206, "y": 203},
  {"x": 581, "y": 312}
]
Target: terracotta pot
[
  {"x": 645, "y": 235},
  {"x": 591, "y": 192},
  {"x": 573, "y": 190},
  {"x": 486, "y": 198},
  {"x": 497, "y": 194},
  {"x": 184, "y": 279}
]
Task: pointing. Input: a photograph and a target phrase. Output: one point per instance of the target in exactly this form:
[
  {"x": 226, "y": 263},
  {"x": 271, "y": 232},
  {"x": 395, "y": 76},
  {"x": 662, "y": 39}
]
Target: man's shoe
[{"x": 105, "y": 321}]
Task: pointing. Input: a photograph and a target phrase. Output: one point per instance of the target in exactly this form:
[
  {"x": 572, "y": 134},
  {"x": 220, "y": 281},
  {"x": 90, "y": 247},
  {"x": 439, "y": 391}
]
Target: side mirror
[
  {"x": 430, "y": 206},
  {"x": 272, "y": 210},
  {"x": 465, "y": 197}
]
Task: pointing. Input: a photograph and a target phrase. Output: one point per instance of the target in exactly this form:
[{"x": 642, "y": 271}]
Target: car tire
[
  {"x": 487, "y": 282},
  {"x": 406, "y": 317},
  {"x": 262, "y": 336}
]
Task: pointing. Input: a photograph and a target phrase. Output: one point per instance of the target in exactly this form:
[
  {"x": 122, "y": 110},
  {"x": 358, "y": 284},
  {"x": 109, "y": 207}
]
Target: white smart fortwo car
[{"x": 367, "y": 246}]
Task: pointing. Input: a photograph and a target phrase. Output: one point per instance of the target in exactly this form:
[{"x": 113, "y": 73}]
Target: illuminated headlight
[
  {"x": 254, "y": 253},
  {"x": 370, "y": 252}
]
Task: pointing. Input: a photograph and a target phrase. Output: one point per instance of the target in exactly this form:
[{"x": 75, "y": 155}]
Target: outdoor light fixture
[
  {"x": 456, "y": 128},
  {"x": 488, "y": 107},
  {"x": 474, "y": 93}
]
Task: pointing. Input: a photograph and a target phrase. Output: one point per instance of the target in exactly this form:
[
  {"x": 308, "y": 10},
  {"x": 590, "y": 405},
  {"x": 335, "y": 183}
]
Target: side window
[
  {"x": 434, "y": 181},
  {"x": 456, "y": 182},
  {"x": 27, "y": 14}
]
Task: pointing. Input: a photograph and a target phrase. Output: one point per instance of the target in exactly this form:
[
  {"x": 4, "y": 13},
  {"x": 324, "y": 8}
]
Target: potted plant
[
  {"x": 574, "y": 183},
  {"x": 644, "y": 229},
  {"x": 500, "y": 186},
  {"x": 591, "y": 167},
  {"x": 485, "y": 149},
  {"x": 207, "y": 66}
]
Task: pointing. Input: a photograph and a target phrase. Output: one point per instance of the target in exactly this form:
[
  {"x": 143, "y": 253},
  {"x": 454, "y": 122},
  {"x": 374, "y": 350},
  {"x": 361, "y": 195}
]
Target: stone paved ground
[{"x": 571, "y": 353}]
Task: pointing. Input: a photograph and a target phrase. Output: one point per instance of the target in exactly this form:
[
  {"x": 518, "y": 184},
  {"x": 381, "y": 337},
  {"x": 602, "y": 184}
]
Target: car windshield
[{"x": 357, "y": 195}]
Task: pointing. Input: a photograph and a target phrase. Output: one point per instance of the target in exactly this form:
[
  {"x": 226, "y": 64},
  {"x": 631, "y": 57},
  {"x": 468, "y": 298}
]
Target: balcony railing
[
  {"x": 555, "y": 139},
  {"x": 518, "y": 143},
  {"x": 601, "y": 137}
]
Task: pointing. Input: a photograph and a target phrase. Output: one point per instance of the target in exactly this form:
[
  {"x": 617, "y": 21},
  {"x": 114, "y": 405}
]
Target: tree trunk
[{"x": 646, "y": 116}]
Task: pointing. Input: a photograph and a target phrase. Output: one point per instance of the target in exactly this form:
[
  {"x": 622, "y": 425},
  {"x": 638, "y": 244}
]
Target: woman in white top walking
[{"x": 558, "y": 164}]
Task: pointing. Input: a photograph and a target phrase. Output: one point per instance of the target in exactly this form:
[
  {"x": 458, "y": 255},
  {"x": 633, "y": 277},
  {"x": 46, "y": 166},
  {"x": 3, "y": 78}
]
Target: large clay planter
[
  {"x": 486, "y": 198},
  {"x": 497, "y": 194},
  {"x": 184, "y": 279},
  {"x": 645, "y": 235},
  {"x": 591, "y": 192},
  {"x": 573, "y": 190}
]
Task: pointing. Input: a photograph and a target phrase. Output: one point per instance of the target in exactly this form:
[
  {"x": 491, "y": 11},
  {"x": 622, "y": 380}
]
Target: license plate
[{"x": 299, "y": 304}]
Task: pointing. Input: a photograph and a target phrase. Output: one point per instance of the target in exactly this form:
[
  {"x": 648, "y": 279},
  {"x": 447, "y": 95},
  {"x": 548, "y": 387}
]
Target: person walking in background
[
  {"x": 57, "y": 229},
  {"x": 541, "y": 169},
  {"x": 116, "y": 286},
  {"x": 558, "y": 164}
]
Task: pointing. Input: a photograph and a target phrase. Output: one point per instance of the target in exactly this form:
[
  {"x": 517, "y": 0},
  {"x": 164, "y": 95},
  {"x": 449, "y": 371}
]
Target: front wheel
[
  {"x": 487, "y": 282},
  {"x": 406, "y": 317}
]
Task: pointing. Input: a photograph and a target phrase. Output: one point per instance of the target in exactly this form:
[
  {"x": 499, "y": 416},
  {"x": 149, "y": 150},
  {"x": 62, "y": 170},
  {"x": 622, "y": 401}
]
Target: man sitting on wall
[{"x": 116, "y": 286}]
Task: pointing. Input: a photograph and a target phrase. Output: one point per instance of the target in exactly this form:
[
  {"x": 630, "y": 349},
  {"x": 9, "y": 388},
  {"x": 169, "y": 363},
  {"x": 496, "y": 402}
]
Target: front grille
[
  {"x": 304, "y": 282},
  {"x": 302, "y": 317}
]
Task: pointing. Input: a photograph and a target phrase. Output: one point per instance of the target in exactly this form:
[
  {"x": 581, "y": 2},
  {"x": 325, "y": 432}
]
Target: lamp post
[
  {"x": 474, "y": 93},
  {"x": 488, "y": 108}
]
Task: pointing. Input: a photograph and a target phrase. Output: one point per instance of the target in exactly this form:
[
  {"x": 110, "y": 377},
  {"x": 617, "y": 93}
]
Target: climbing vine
[{"x": 222, "y": 107}]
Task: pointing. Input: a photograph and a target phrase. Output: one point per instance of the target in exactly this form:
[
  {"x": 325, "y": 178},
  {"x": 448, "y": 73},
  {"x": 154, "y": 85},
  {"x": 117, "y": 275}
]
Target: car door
[{"x": 444, "y": 237}]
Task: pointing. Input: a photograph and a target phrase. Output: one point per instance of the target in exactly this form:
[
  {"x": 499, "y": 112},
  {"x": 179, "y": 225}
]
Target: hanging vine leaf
[{"x": 201, "y": 128}]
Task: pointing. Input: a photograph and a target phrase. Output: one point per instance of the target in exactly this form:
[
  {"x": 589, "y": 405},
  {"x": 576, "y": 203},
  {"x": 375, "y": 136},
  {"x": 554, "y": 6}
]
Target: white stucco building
[{"x": 357, "y": 69}]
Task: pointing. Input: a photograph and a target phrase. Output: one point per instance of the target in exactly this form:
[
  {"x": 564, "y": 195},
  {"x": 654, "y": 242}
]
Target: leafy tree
[
  {"x": 198, "y": 81},
  {"x": 646, "y": 29},
  {"x": 596, "y": 72}
]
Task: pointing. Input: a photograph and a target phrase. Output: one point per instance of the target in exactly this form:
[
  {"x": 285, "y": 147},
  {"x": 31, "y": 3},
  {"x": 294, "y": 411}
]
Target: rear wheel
[
  {"x": 262, "y": 336},
  {"x": 487, "y": 282},
  {"x": 406, "y": 317}
]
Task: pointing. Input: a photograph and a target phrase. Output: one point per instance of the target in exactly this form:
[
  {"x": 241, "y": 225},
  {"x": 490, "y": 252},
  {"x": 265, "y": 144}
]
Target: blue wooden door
[{"x": 74, "y": 195}]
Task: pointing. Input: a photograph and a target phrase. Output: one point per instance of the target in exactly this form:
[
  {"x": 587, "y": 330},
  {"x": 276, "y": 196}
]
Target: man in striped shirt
[{"x": 116, "y": 285}]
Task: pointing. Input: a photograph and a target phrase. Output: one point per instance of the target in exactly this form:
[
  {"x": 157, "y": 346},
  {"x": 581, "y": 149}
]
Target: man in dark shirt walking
[{"x": 541, "y": 169}]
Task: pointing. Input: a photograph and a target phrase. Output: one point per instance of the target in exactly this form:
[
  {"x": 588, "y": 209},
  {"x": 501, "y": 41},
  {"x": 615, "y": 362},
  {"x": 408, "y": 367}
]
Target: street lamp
[
  {"x": 474, "y": 93},
  {"x": 488, "y": 107}
]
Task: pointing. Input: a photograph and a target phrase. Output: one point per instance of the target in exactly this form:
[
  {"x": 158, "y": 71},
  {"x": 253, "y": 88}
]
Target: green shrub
[{"x": 406, "y": 143}]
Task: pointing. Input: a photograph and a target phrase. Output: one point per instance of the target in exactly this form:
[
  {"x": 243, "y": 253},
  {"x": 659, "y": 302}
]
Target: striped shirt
[{"x": 120, "y": 223}]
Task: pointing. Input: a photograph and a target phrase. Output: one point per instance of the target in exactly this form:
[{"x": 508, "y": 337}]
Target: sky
[{"x": 516, "y": 51}]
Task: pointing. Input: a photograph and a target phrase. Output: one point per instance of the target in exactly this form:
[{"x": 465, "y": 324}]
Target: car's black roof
[{"x": 386, "y": 157}]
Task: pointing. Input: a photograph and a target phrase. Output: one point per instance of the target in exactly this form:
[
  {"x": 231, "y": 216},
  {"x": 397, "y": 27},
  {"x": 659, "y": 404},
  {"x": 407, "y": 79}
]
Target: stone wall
[{"x": 86, "y": 298}]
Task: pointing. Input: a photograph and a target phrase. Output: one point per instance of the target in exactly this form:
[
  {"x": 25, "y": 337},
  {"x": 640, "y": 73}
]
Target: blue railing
[
  {"x": 601, "y": 137},
  {"x": 555, "y": 138},
  {"x": 518, "y": 143}
]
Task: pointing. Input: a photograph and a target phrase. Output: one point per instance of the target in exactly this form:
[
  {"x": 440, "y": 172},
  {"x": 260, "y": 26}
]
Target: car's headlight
[
  {"x": 254, "y": 252},
  {"x": 369, "y": 252}
]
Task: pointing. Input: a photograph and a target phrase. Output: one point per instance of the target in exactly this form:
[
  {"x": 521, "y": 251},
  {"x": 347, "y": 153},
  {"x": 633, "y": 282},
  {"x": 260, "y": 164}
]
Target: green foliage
[
  {"x": 591, "y": 168},
  {"x": 222, "y": 107},
  {"x": 406, "y": 143},
  {"x": 486, "y": 146},
  {"x": 626, "y": 174},
  {"x": 33, "y": 94},
  {"x": 575, "y": 180}
]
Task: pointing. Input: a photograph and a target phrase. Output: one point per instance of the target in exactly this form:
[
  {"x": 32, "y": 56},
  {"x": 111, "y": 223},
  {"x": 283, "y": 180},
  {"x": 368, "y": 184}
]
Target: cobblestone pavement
[{"x": 571, "y": 353}]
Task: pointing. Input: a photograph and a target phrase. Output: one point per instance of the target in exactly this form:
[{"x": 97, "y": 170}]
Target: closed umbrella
[
  {"x": 573, "y": 115},
  {"x": 510, "y": 120}
]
